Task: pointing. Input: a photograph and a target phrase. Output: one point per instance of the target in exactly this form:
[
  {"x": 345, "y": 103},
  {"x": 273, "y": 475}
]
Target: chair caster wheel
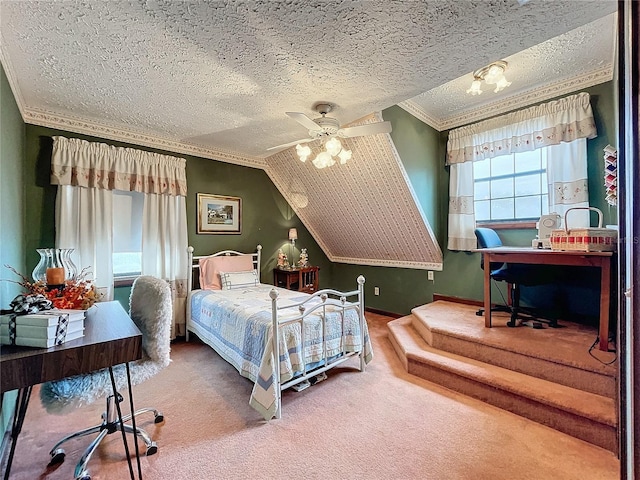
[
  {"x": 151, "y": 449},
  {"x": 511, "y": 324},
  {"x": 159, "y": 418},
  {"x": 57, "y": 456}
]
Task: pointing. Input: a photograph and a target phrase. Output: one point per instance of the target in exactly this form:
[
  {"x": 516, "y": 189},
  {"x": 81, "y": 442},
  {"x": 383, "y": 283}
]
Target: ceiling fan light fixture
[
  {"x": 492, "y": 74},
  {"x": 303, "y": 152},
  {"x": 329, "y": 129},
  {"x": 322, "y": 160},
  {"x": 344, "y": 156},
  {"x": 333, "y": 146}
]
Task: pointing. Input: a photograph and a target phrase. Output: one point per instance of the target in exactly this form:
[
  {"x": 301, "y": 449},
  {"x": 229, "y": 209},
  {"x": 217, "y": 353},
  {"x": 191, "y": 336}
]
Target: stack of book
[{"x": 43, "y": 329}]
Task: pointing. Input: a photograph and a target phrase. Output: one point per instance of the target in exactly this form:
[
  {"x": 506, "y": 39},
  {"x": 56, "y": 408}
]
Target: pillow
[
  {"x": 232, "y": 280},
  {"x": 210, "y": 268}
]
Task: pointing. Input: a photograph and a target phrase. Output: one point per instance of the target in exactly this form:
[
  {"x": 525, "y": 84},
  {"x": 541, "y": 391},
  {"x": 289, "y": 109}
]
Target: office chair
[
  {"x": 152, "y": 312},
  {"x": 514, "y": 275}
]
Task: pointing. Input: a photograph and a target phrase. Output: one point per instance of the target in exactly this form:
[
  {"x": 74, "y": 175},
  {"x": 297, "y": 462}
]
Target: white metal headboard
[{"x": 194, "y": 262}]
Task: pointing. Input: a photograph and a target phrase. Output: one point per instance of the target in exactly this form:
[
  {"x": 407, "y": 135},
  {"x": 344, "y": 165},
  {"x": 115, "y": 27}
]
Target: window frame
[{"x": 512, "y": 224}]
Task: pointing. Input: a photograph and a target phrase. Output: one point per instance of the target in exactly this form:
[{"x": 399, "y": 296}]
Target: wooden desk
[
  {"x": 302, "y": 279},
  {"x": 602, "y": 260},
  {"x": 110, "y": 338}
]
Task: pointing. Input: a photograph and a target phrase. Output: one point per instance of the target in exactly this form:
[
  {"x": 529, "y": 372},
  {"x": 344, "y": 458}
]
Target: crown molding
[
  {"x": 77, "y": 125},
  {"x": 414, "y": 109},
  {"x": 514, "y": 102}
]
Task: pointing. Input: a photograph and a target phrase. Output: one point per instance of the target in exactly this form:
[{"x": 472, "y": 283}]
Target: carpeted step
[
  {"x": 580, "y": 414},
  {"x": 559, "y": 355}
]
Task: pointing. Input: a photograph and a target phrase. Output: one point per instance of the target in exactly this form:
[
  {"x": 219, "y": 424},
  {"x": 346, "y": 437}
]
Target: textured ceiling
[{"x": 214, "y": 79}]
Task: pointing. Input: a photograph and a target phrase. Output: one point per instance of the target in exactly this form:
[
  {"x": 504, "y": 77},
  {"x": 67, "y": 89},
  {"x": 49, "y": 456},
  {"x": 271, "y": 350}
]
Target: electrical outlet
[
  {"x": 376, "y": 290},
  {"x": 430, "y": 275}
]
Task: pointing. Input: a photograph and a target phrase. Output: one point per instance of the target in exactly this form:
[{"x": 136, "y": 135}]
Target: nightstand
[{"x": 304, "y": 279}]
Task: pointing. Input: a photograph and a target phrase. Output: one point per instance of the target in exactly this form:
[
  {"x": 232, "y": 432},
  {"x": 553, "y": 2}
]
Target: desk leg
[
  {"x": 605, "y": 303},
  {"x": 133, "y": 422},
  {"x": 22, "y": 401},
  {"x": 487, "y": 291},
  {"x": 124, "y": 435}
]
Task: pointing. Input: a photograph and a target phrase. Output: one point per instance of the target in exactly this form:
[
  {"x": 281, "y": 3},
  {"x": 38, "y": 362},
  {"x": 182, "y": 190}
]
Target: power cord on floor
[{"x": 596, "y": 341}]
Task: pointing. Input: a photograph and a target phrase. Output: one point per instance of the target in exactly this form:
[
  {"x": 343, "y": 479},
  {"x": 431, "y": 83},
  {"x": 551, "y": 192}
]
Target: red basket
[{"x": 588, "y": 239}]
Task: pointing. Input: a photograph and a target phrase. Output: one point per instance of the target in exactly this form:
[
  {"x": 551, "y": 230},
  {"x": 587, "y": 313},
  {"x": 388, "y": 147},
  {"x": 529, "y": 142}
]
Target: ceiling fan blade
[
  {"x": 368, "y": 129},
  {"x": 284, "y": 145},
  {"x": 303, "y": 120}
]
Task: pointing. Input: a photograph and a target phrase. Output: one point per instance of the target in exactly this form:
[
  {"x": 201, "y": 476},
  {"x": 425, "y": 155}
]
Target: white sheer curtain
[
  {"x": 567, "y": 180},
  {"x": 86, "y": 174},
  {"x": 84, "y": 217},
  {"x": 164, "y": 243},
  {"x": 550, "y": 124}
]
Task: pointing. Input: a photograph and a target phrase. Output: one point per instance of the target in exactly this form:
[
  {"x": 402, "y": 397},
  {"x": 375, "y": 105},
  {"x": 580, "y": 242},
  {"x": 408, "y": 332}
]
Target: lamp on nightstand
[{"x": 293, "y": 236}]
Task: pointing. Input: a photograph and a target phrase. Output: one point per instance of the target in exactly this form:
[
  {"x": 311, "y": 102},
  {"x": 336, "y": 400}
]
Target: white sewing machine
[{"x": 545, "y": 225}]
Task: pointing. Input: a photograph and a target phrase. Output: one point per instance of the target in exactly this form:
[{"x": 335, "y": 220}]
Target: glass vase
[
  {"x": 70, "y": 269},
  {"x": 55, "y": 266}
]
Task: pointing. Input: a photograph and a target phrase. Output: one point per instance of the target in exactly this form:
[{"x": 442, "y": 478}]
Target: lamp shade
[{"x": 293, "y": 234}]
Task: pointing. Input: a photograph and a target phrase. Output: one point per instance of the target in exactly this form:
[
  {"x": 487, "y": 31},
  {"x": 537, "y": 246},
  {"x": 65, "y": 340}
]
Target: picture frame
[{"x": 219, "y": 214}]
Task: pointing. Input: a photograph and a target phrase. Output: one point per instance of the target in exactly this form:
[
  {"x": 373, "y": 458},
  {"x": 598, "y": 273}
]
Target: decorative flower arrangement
[{"x": 77, "y": 293}]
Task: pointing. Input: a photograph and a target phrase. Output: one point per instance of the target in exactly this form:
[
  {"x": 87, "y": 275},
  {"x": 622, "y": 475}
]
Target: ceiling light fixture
[
  {"x": 492, "y": 74},
  {"x": 332, "y": 148}
]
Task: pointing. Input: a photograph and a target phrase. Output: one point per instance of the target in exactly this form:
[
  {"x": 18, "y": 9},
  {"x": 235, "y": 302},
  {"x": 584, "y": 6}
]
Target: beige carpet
[{"x": 381, "y": 424}]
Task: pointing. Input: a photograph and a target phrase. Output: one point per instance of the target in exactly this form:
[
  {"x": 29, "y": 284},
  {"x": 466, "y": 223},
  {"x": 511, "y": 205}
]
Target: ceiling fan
[{"x": 327, "y": 127}]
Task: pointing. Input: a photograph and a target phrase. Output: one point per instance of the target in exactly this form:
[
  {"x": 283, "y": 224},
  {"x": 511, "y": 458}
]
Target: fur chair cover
[{"x": 152, "y": 312}]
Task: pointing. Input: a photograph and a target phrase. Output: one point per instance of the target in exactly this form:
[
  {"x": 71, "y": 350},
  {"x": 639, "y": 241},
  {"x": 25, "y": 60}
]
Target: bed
[{"x": 249, "y": 324}]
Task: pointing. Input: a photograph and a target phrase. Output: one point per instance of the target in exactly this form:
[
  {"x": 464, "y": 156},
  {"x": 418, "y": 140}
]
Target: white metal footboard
[{"x": 329, "y": 298}]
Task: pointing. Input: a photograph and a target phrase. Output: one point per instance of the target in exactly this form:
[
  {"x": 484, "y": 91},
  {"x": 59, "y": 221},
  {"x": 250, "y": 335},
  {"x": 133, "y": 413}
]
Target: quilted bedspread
[{"x": 237, "y": 324}]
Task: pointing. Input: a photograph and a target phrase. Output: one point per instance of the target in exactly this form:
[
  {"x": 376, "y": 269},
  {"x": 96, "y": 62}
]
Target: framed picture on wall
[{"x": 218, "y": 214}]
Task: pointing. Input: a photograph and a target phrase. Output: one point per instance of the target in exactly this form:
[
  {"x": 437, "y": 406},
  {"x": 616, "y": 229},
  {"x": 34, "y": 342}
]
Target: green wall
[{"x": 12, "y": 204}]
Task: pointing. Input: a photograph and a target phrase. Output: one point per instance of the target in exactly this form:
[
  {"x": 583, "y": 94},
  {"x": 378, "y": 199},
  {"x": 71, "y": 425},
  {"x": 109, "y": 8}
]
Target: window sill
[
  {"x": 507, "y": 225},
  {"x": 124, "y": 281}
]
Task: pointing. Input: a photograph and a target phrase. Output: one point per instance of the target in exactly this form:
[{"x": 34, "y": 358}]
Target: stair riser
[
  {"x": 399, "y": 350},
  {"x": 586, "y": 429},
  {"x": 592, "y": 382}
]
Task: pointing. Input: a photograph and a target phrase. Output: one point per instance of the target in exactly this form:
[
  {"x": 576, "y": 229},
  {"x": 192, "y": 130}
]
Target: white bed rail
[{"x": 328, "y": 298}]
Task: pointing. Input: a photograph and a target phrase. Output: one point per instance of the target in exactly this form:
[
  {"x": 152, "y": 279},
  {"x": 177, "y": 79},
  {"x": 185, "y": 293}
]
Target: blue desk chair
[
  {"x": 152, "y": 312},
  {"x": 514, "y": 275}
]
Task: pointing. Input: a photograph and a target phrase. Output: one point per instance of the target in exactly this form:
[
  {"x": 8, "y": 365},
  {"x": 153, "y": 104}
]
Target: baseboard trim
[
  {"x": 465, "y": 301},
  {"x": 382, "y": 312}
]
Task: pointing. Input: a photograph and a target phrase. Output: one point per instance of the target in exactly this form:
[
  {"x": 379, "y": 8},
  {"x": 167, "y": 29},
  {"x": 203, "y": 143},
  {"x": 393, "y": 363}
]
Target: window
[
  {"x": 127, "y": 233},
  {"x": 511, "y": 187}
]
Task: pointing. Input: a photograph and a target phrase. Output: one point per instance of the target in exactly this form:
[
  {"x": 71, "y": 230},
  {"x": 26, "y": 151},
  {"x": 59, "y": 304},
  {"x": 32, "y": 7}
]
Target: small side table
[{"x": 304, "y": 279}]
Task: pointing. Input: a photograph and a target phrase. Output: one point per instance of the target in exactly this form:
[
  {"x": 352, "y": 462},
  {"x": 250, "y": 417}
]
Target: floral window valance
[
  {"x": 563, "y": 120},
  {"x": 90, "y": 164}
]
